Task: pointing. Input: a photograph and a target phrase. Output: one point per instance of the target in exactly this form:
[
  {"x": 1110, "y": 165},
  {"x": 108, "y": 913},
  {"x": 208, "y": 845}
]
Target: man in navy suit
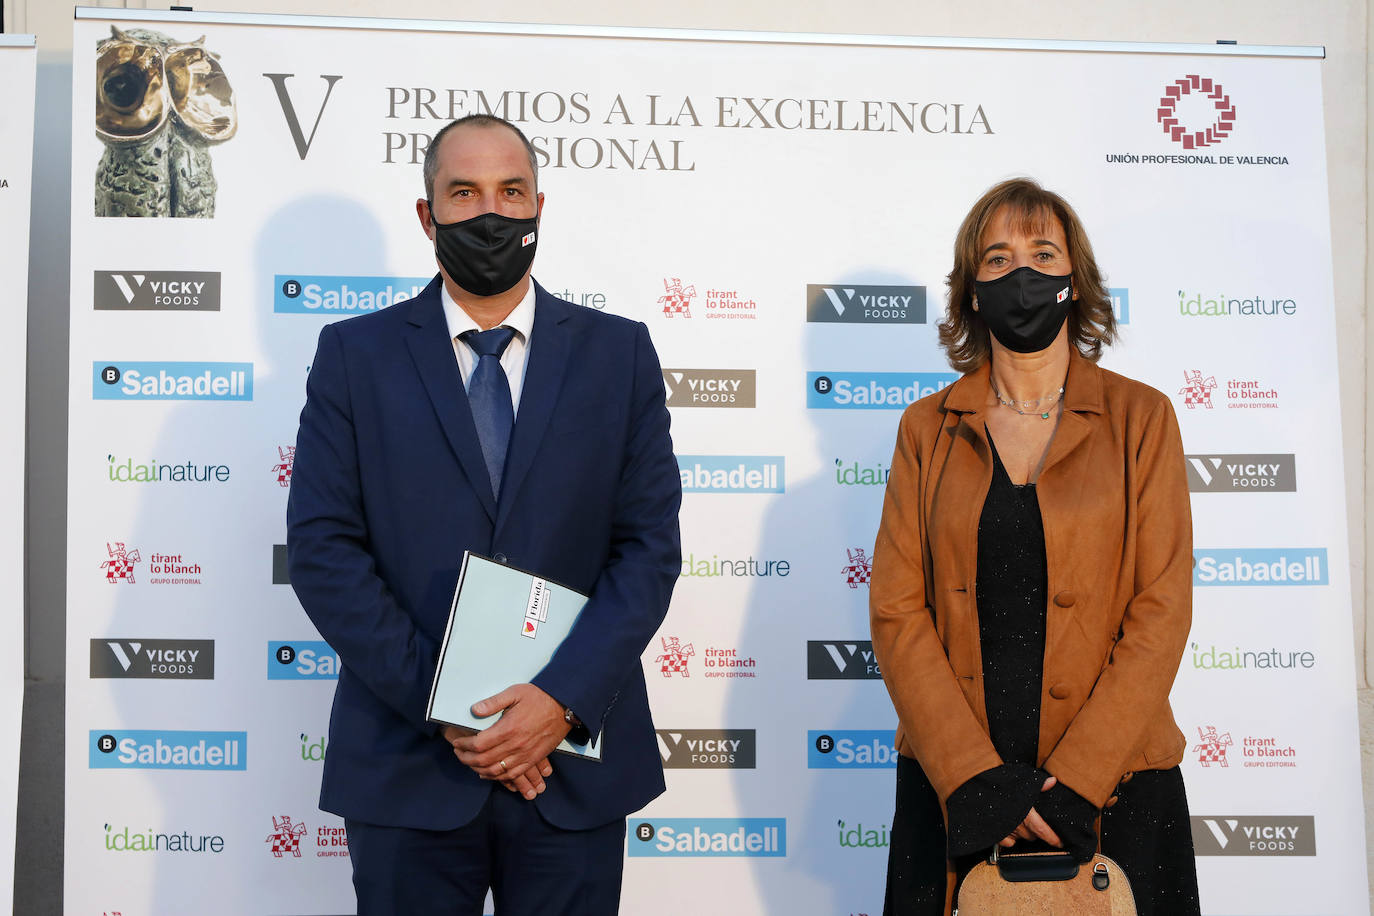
[{"x": 485, "y": 415}]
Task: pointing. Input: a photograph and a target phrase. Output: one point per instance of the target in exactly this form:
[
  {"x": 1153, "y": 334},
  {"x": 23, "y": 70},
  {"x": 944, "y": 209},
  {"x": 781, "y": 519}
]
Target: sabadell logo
[{"x": 709, "y": 837}]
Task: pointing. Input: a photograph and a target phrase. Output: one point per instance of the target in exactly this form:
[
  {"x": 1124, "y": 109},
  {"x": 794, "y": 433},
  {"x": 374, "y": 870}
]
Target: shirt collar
[{"x": 521, "y": 317}]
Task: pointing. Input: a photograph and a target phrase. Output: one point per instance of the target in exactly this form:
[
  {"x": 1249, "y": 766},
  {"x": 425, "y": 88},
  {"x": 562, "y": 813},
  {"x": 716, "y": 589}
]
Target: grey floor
[{"x": 38, "y": 853}]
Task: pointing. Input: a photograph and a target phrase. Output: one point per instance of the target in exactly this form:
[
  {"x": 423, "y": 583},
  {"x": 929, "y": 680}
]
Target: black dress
[{"x": 1146, "y": 831}]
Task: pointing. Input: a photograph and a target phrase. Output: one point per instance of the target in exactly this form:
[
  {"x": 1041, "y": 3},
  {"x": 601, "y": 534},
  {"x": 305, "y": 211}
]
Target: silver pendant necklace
[{"x": 1025, "y": 409}]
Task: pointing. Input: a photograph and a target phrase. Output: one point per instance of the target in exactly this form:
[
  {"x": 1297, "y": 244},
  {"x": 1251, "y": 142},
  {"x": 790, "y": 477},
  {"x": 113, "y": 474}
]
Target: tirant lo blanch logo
[
  {"x": 120, "y": 566},
  {"x": 677, "y": 299},
  {"x": 1212, "y": 748},
  {"x": 286, "y": 462},
  {"x": 859, "y": 569},
  {"x": 286, "y": 837},
  {"x": 675, "y": 657}
]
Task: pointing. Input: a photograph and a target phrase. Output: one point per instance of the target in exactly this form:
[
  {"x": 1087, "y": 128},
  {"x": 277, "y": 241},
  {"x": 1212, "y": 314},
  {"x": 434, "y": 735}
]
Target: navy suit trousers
[{"x": 531, "y": 867}]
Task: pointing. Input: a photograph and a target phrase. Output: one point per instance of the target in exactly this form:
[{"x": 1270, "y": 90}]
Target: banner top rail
[
  {"x": 18, "y": 41},
  {"x": 723, "y": 35}
]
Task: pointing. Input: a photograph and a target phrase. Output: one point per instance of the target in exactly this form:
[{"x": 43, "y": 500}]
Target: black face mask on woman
[
  {"x": 487, "y": 254},
  {"x": 1025, "y": 309}
]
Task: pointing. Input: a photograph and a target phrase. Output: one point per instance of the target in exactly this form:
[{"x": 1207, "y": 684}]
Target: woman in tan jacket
[{"x": 1032, "y": 581}]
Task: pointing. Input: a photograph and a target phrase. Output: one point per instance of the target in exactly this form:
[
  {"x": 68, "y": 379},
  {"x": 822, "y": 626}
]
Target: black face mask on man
[
  {"x": 1025, "y": 309},
  {"x": 487, "y": 254}
]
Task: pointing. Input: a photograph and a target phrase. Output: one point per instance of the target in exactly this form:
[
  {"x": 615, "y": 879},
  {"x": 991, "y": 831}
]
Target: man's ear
[{"x": 426, "y": 217}]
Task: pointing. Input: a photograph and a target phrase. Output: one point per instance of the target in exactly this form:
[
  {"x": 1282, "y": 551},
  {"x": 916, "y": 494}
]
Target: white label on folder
[{"x": 537, "y": 610}]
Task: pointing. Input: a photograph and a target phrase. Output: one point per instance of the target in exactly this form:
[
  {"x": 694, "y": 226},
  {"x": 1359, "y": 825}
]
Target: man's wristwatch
[{"x": 579, "y": 733}]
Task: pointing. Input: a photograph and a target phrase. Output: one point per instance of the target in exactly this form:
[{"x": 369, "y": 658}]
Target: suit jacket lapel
[
  {"x": 545, "y": 364},
  {"x": 432, "y": 351}
]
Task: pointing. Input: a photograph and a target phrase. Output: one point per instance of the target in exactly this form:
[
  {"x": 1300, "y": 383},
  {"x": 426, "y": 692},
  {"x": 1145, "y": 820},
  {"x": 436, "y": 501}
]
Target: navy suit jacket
[{"x": 389, "y": 488}]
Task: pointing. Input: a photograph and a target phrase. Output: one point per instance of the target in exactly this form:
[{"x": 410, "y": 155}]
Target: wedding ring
[{"x": 503, "y": 766}]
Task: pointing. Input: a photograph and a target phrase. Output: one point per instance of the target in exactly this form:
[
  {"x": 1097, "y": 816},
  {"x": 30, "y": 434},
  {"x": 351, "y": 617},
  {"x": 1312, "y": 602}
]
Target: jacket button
[
  {"x": 1060, "y": 691},
  {"x": 1065, "y": 598},
  {"x": 500, "y": 558},
  {"x": 1111, "y": 801},
  {"x": 1127, "y": 777}
]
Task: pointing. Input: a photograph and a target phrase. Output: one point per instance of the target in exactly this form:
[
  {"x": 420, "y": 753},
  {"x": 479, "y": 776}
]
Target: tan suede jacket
[{"x": 1118, "y": 544}]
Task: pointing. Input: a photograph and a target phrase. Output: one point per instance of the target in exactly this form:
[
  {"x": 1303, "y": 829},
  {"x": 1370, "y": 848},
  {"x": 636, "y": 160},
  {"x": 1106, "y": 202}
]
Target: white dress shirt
[{"x": 521, "y": 319}]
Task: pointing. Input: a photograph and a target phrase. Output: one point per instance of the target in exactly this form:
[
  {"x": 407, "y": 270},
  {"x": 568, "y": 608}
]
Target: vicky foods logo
[
  {"x": 1246, "y": 473},
  {"x": 710, "y": 387},
  {"x": 173, "y": 659},
  {"x": 855, "y": 304},
  {"x": 707, "y": 748},
  {"x": 156, "y": 291},
  {"x": 841, "y": 660},
  {"x": 1255, "y": 836},
  {"x": 281, "y": 572}
]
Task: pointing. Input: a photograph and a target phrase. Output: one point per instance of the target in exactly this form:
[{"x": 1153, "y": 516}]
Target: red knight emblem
[
  {"x": 120, "y": 566},
  {"x": 674, "y": 657},
  {"x": 283, "y": 468},
  {"x": 1213, "y": 747},
  {"x": 285, "y": 836},
  {"x": 1198, "y": 391},
  {"x": 859, "y": 568},
  {"x": 677, "y": 300}
]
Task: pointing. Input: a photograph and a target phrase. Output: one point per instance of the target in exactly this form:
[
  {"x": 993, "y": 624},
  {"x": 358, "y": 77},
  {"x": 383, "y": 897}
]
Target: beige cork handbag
[{"x": 1045, "y": 884}]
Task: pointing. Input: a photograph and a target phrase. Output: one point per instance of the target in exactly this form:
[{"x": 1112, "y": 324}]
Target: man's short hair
[{"x": 474, "y": 120}]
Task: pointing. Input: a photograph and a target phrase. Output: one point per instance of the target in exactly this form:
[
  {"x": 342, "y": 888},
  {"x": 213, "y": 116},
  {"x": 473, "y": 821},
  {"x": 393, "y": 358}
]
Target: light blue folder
[{"x": 503, "y": 629}]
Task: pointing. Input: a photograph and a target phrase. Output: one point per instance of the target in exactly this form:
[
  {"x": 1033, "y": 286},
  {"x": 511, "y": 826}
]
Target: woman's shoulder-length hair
[{"x": 963, "y": 333}]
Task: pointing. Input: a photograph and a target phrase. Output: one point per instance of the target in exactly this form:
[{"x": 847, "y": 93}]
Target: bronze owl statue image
[{"x": 159, "y": 106}]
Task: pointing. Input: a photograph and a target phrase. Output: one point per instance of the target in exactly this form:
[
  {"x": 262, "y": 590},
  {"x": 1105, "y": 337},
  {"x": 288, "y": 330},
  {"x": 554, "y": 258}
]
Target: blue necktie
[{"x": 489, "y": 397}]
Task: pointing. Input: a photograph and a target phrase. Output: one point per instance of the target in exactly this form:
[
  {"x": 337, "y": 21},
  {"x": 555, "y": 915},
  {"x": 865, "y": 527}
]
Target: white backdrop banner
[
  {"x": 780, "y": 213},
  {"x": 18, "y": 60}
]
